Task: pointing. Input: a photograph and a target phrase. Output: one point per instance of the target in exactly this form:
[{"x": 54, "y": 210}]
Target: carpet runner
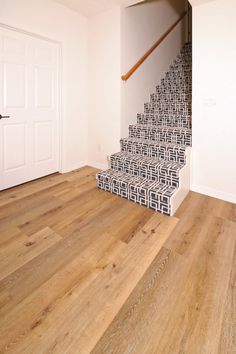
[{"x": 152, "y": 168}]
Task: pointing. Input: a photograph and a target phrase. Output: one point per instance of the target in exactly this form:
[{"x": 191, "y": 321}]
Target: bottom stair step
[{"x": 154, "y": 195}]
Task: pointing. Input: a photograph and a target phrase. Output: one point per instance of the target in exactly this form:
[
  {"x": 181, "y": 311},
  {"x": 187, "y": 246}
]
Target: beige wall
[
  {"x": 214, "y": 92},
  {"x": 52, "y": 20}
]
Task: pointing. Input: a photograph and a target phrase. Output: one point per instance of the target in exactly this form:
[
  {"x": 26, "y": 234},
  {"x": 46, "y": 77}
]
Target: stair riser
[
  {"x": 179, "y": 71},
  {"x": 174, "y": 137},
  {"x": 158, "y": 100},
  {"x": 178, "y": 75},
  {"x": 174, "y": 80},
  {"x": 174, "y": 83},
  {"x": 151, "y": 173},
  {"x": 162, "y": 90},
  {"x": 164, "y": 122},
  {"x": 167, "y": 153},
  {"x": 171, "y": 104},
  {"x": 183, "y": 60},
  {"x": 178, "y": 111},
  {"x": 186, "y": 50},
  {"x": 180, "y": 68},
  {"x": 168, "y": 86},
  {"x": 170, "y": 97},
  {"x": 173, "y": 89},
  {"x": 176, "y": 72},
  {"x": 150, "y": 200},
  {"x": 182, "y": 65}
]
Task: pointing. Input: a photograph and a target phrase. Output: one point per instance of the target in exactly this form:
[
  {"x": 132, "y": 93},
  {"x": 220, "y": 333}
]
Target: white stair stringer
[{"x": 184, "y": 184}]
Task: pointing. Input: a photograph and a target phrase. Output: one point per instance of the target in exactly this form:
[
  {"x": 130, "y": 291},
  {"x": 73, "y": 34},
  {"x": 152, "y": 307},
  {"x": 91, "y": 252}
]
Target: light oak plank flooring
[{"x": 83, "y": 271}]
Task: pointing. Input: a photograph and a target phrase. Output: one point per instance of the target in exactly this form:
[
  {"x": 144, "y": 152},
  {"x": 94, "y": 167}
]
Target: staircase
[{"x": 153, "y": 167}]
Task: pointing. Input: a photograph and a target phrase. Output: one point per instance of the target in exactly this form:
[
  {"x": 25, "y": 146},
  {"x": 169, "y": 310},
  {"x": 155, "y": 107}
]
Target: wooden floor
[{"x": 84, "y": 271}]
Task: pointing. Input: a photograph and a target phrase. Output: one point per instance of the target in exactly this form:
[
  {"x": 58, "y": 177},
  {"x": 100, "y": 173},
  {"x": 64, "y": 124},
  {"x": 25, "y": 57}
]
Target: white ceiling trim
[
  {"x": 199, "y": 2},
  {"x": 127, "y": 3},
  {"x": 92, "y": 7}
]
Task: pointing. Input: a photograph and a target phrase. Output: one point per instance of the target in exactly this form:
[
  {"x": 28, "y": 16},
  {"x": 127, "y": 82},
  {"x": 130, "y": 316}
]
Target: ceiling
[
  {"x": 92, "y": 7},
  {"x": 199, "y": 2}
]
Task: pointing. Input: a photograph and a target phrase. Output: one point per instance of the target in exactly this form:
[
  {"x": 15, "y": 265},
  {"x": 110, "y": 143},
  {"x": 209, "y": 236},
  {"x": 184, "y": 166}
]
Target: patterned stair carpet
[{"x": 147, "y": 170}]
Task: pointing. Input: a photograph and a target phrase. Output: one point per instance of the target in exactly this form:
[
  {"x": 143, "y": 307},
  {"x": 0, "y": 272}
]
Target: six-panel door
[{"x": 29, "y": 139}]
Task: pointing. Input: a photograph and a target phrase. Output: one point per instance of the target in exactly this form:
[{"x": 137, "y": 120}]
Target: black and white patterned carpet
[{"x": 147, "y": 170}]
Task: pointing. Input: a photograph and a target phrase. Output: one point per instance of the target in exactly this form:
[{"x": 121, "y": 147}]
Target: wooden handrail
[{"x": 149, "y": 52}]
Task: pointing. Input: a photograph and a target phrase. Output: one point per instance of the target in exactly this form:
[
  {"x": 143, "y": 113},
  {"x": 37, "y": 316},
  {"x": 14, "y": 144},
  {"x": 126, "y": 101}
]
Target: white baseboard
[
  {"x": 97, "y": 165},
  {"x": 73, "y": 168},
  {"x": 228, "y": 197},
  {"x": 100, "y": 166}
]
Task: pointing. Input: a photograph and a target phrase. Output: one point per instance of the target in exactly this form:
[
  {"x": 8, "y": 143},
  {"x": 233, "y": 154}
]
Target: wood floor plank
[
  {"x": 194, "y": 221},
  {"x": 5, "y": 297},
  {"x": 84, "y": 271},
  {"x": 58, "y": 211},
  {"x": 196, "y": 322},
  {"x": 23, "y": 249},
  {"x": 41, "y": 186},
  {"x": 75, "y": 192},
  {"x": 228, "y": 329},
  {"x": 8, "y": 232},
  {"x": 132, "y": 327},
  {"x": 115, "y": 290},
  {"x": 77, "y": 175},
  {"x": 27, "y": 208},
  {"x": 191, "y": 314},
  {"x": 22, "y": 282},
  {"x": 227, "y": 210},
  {"x": 61, "y": 288}
]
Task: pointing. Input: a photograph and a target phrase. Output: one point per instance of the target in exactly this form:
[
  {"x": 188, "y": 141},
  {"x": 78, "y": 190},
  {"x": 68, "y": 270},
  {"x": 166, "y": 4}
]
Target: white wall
[
  {"x": 52, "y": 20},
  {"x": 104, "y": 89},
  {"x": 141, "y": 26},
  {"x": 214, "y": 93}
]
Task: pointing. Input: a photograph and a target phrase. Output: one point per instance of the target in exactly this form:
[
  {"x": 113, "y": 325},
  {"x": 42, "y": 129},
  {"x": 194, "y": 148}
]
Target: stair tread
[
  {"x": 162, "y": 128},
  {"x": 151, "y": 168},
  {"x": 149, "y": 160},
  {"x": 163, "y": 115},
  {"x": 153, "y": 119},
  {"x": 138, "y": 182},
  {"x": 123, "y": 155},
  {"x": 175, "y": 135},
  {"x": 163, "y": 121},
  {"x": 154, "y": 142}
]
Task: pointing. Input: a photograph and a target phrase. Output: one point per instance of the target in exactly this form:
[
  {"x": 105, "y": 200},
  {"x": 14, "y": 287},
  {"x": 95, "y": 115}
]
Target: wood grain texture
[{"x": 83, "y": 271}]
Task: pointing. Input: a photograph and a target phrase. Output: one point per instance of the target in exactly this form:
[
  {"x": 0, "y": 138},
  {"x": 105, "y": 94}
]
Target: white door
[{"x": 29, "y": 138}]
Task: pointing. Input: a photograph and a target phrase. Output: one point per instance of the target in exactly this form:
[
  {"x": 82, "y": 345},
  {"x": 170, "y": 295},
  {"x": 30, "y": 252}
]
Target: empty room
[{"x": 117, "y": 177}]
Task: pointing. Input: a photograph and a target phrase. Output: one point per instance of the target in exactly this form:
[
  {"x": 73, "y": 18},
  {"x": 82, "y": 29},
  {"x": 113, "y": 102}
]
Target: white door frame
[{"x": 60, "y": 110}]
